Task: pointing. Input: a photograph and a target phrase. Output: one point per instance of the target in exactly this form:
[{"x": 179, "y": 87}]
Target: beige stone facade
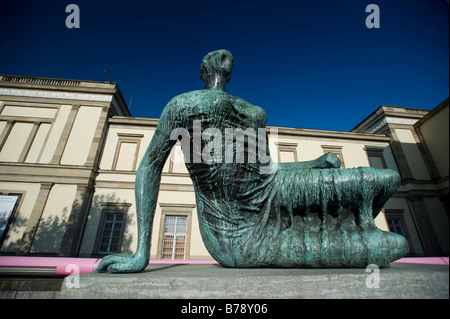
[
  {"x": 69, "y": 151},
  {"x": 419, "y": 143}
]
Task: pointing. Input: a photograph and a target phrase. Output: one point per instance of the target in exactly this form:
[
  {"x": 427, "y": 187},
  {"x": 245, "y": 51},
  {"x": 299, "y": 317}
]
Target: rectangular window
[
  {"x": 174, "y": 240},
  {"x": 376, "y": 158},
  {"x": 287, "y": 152},
  {"x": 8, "y": 207},
  {"x": 127, "y": 151},
  {"x": 111, "y": 234},
  {"x": 111, "y": 228},
  {"x": 396, "y": 226}
]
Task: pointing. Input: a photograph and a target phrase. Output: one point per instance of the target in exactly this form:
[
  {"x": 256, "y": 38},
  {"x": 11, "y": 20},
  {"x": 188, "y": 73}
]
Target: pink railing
[{"x": 65, "y": 266}]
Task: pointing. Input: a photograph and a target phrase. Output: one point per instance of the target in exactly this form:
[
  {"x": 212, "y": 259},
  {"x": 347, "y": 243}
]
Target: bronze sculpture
[{"x": 259, "y": 213}]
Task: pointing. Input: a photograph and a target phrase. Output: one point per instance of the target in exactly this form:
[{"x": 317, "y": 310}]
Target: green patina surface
[{"x": 257, "y": 213}]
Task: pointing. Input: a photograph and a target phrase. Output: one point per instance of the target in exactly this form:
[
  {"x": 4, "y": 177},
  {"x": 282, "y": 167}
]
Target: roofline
[
  {"x": 24, "y": 78},
  {"x": 386, "y": 110},
  {"x": 280, "y": 130},
  {"x": 43, "y": 83},
  {"x": 434, "y": 111}
]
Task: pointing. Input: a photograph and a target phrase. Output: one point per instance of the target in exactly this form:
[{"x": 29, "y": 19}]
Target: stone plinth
[{"x": 401, "y": 280}]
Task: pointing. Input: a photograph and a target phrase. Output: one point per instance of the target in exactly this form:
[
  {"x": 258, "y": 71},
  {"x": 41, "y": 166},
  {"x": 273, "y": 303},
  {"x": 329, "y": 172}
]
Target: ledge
[{"x": 181, "y": 281}]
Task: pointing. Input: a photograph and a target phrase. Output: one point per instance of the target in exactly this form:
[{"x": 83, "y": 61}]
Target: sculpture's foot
[
  {"x": 337, "y": 246},
  {"x": 357, "y": 248},
  {"x": 383, "y": 247},
  {"x": 123, "y": 263}
]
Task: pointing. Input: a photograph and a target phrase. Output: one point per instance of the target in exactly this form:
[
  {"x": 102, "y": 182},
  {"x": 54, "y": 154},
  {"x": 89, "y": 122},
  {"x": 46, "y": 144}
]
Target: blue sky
[{"x": 309, "y": 64}]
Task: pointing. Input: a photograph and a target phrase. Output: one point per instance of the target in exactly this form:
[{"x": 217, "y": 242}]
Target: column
[
  {"x": 402, "y": 163},
  {"x": 34, "y": 220},
  {"x": 98, "y": 138},
  {"x": 4, "y": 136},
  {"x": 29, "y": 141},
  {"x": 65, "y": 135},
  {"x": 75, "y": 222},
  {"x": 425, "y": 228}
]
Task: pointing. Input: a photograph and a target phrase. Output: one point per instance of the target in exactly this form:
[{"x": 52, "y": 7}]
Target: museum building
[{"x": 69, "y": 151}]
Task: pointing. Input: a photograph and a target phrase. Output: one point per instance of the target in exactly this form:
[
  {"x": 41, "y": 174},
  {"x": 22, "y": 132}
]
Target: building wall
[
  {"x": 419, "y": 143},
  {"x": 433, "y": 136},
  {"x": 51, "y": 133},
  {"x": 115, "y": 181},
  {"x": 70, "y": 150},
  {"x": 435, "y": 133}
]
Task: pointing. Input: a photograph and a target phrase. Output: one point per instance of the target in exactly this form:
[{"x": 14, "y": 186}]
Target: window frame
[
  {"x": 398, "y": 214},
  {"x": 111, "y": 208},
  {"x": 287, "y": 148},
  {"x": 13, "y": 215},
  {"x": 375, "y": 152},
  {"x": 173, "y": 254},
  {"x": 127, "y": 138},
  {"x": 185, "y": 210}
]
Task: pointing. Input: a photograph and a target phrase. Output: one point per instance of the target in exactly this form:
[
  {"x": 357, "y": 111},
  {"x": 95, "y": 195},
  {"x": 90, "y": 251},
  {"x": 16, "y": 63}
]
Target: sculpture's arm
[
  {"x": 148, "y": 178},
  {"x": 328, "y": 160}
]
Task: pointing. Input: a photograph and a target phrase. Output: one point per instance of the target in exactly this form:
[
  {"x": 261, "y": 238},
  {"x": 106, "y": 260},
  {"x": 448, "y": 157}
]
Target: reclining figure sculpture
[{"x": 260, "y": 213}]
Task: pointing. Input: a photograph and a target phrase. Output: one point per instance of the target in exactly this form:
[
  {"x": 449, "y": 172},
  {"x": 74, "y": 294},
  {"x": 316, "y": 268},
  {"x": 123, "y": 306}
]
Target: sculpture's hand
[
  {"x": 123, "y": 263},
  {"x": 330, "y": 160}
]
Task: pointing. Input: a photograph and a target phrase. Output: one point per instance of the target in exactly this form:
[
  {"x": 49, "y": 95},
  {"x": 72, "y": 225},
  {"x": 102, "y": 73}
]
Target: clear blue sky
[{"x": 308, "y": 63}]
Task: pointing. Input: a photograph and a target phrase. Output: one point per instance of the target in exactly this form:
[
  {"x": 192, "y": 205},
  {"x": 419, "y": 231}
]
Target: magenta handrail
[
  {"x": 65, "y": 266},
  {"x": 85, "y": 265}
]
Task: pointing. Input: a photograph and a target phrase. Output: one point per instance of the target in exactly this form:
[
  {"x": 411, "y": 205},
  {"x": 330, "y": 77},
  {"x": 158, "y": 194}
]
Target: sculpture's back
[
  {"x": 293, "y": 215},
  {"x": 253, "y": 212}
]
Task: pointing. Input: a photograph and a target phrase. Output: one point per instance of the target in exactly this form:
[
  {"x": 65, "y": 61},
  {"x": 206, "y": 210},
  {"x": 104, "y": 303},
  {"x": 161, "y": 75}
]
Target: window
[
  {"x": 111, "y": 228},
  {"x": 375, "y": 156},
  {"x": 396, "y": 223},
  {"x": 125, "y": 158},
  {"x": 287, "y": 152},
  {"x": 8, "y": 207},
  {"x": 396, "y": 226},
  {"x": 111, "y": 233},
  {"x": 174, "y": 240}
]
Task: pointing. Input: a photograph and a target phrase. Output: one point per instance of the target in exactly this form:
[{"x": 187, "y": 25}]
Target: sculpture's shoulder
[
  {"x": 238, "y": 100},
  {"x": 184, "y": 98},
  {"x": 179, "y": 105},
  {"x": 217, "y": 102},
  {"x": 256, "y": 113},
  {"x": 199, "y": 97},
  {"x": 192, "y": 96}
]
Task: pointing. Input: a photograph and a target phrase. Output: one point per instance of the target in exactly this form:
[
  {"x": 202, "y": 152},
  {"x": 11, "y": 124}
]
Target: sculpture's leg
[
  {"x": 381, "y": 247},
  {"x": 364, "y": 216},
  {"x": 326, "y": 253},
  {"x": 331, "y": 222}
]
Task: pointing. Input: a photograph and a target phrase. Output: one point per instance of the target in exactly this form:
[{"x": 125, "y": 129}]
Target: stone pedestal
[{"x": 401, "y": 280}]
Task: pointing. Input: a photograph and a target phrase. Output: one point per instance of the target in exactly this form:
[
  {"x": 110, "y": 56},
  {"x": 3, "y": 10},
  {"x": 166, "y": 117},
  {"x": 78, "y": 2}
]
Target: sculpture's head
[{"x": 216, "y": 68}]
